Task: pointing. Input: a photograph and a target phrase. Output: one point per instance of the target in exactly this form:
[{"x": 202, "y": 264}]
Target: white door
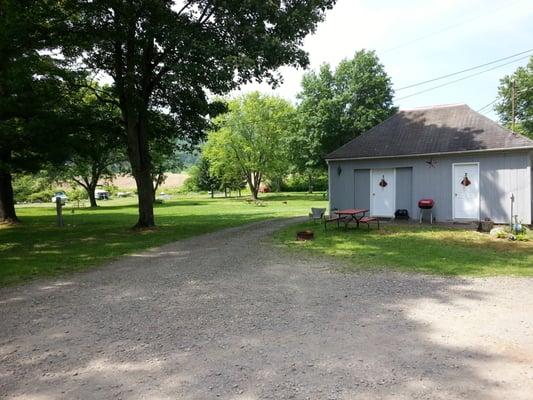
[
  {"x": 466, "y": 191},
  {"x": 382, "y": 192}
]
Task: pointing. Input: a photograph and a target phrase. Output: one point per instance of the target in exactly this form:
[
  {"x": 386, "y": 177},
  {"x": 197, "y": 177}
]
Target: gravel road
[{"x": 229, "y": 315}]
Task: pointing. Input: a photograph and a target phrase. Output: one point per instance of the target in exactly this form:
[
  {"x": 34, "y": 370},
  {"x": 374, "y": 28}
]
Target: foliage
[
  {"x": 300, "y": 183},
  {"x": 166, "y": 152},
  {"x": 431, "y": 250},
  {"x": 523, "y": 78},
  {"x": 98, "y": 141},
  {"x": 93, "y": 236},
  {"x": 201, "y": 178},
  {"x": 26, "y": 186},
  {"x": 77, "y": 194},
  {"x": 337, "y": 106},
  {"x": 34, "y": 128},
  {"x": 251, "y": 136},
  {"x": 162, "y": 55}
]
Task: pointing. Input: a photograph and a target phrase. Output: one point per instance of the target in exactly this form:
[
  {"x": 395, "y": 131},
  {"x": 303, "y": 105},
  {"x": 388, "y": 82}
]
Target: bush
[
  {"x": 32, "y": 187},
  {"x": 77, "y": 194},
  {"x": 44, "y": 196},
  {"x": 189, "y": 185},
  {"x": 300, "y": 183},
  {"x": 111, "y": 189}
]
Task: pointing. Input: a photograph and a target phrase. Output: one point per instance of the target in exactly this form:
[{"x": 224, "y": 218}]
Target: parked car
[
  {"x": 101, "y": 194},
  {"x": 60, "y": 195}
]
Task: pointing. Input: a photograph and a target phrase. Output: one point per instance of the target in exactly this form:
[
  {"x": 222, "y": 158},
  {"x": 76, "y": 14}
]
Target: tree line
[
  {"x": 165, "y": 60},
  {"x": 264, "y": 138}
]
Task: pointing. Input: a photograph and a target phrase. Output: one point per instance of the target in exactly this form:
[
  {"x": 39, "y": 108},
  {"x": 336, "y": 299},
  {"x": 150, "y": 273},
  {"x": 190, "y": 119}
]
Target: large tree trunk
[
  {"x": 254, "y": 182},
  {"x": 139, "y": 156},
  {"x": 7, "y": 202},
  {"x": 309, "y": 182},
  {"x": 92, "y": 196}
]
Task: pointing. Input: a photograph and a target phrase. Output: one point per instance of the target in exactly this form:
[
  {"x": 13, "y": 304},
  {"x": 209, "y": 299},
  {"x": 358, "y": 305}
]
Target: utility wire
[
  {"x": 460, "y": 79},
  {"x": 464, "y": 70},
  {"x": 488, "y": 105},
  {"x": 498, "y": 98}
]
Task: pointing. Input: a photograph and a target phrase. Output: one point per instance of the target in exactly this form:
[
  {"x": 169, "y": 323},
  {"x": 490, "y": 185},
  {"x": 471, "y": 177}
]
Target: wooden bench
[
  {"x": 332, "y": 218},
  {"x": 368, "y": 221}
]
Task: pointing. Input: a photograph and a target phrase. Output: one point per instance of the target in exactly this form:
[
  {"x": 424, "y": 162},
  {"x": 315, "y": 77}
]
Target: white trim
[
  {"x": 393, "y": 194},
  {"x": 428, "y": 154},
  {"x": 329, "y": 188},
  {"x": 476, "y": 163}
]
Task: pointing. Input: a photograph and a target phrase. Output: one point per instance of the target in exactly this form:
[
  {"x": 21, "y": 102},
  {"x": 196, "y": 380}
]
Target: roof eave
[{"x": 429, "y": 154}]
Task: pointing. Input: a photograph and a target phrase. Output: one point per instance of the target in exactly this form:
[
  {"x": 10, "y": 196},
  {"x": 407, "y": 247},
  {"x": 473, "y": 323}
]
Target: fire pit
[{"x": 305, "y": 235}]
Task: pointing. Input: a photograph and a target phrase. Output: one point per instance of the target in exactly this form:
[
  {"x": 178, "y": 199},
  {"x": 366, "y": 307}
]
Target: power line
[
  {"x": 447, "y": 28},
  {"x": 460, "y": 79},
  {"x": 488, "y": 105},
  {"x": 498, "y": 98},
  {"x": 464, "y": 70}
]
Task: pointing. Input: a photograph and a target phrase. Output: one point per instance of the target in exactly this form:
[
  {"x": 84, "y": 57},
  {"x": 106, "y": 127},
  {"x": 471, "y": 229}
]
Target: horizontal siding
[{"x": 500, "y": 175}]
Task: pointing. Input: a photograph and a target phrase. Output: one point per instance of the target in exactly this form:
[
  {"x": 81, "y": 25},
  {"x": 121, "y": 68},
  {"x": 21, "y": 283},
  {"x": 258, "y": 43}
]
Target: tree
[
  {"x": 97, "y": 144},
  {"x": 33, "y": 128},
  {"x": 523, "y": 93},
  {"x": 163, "y": 54},
  {"x": 337, "y": 106},
  {"x": 165, "y": 158},
  {"x": 250, "y": 136},
  {"x": 230, "y": 176},
  {"x": 201, "y": 177}
]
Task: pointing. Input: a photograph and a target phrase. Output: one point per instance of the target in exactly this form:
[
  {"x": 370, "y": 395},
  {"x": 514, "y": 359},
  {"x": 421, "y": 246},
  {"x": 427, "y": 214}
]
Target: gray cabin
[{"x": 466, "y": 163}]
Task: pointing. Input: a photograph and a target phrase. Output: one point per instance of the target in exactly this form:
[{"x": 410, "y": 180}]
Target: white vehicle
[
  {"x": 101, "y": 194},
  {"x": 60, "y": 195}
]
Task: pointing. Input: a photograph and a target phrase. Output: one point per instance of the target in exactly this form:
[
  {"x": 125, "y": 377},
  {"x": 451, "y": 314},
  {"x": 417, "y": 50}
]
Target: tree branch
[{"x": 187, "y": 4}]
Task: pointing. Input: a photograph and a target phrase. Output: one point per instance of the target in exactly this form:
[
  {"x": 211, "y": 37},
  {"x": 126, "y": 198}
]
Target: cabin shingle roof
[{"x": 440, "y": 129}]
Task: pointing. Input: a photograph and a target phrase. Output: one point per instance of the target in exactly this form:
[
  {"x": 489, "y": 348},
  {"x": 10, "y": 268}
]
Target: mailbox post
[{"x": 59, "y": 211}]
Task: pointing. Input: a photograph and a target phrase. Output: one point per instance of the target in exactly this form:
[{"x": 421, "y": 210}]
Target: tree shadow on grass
[
  {"x": 226, "y": 317},
  {"x": 39, "y": 248}
]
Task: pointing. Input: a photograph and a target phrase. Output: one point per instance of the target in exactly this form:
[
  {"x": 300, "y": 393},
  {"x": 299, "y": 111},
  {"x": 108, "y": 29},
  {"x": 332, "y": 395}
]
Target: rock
[{"x": 494, "y": 231}]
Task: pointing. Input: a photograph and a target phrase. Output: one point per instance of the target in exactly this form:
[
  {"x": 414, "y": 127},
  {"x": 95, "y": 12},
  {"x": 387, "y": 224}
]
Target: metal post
[
  {"x": 512, "y": 206},
  {"x": 59, "y": 212}
]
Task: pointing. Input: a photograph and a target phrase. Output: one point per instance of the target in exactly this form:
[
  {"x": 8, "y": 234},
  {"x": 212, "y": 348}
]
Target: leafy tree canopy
[
  {"x": 168, "y": 54},
  {"x": 34, "y": 127},
  {"x": 337, "y": 106},
  {"x": 523, "y": 82},
  {"x": 251, "y": 136},
  {"x": 98, "y": 142}
]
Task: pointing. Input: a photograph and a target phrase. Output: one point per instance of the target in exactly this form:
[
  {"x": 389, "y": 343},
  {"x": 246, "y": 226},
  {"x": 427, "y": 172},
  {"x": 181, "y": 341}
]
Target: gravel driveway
[{"x": 230, "y": 316}]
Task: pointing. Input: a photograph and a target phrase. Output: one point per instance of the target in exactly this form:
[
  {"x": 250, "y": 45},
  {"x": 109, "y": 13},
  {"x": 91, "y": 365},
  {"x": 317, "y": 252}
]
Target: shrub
[
  {"x": 77, "y": 194},
  {"x": 32, "y": 187},
  {"x": 300, "y": 183},
  {"x": 44, "y": 196}
]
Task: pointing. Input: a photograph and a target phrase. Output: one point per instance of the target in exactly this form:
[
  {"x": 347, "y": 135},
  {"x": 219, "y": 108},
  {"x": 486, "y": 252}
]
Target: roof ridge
[{"x": 434, "y": 106}]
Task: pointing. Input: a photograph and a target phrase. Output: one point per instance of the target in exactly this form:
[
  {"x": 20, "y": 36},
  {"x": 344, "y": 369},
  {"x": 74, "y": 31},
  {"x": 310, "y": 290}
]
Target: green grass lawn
[
  {"x": 434, "y": 250},
  {"x": 91, "y": 236}
]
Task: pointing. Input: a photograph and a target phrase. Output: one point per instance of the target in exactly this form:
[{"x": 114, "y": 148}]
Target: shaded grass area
[
  {"x": 92, "y": 236},
  {"x": 432, "y": 250}
]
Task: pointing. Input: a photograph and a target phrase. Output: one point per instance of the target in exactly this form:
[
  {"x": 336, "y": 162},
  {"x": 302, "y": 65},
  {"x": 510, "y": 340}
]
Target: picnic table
[{"x": 352, "y": 215}]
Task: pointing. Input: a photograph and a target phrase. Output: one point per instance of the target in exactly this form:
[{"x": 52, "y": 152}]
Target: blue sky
[{"x": 419, "y": 40}]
